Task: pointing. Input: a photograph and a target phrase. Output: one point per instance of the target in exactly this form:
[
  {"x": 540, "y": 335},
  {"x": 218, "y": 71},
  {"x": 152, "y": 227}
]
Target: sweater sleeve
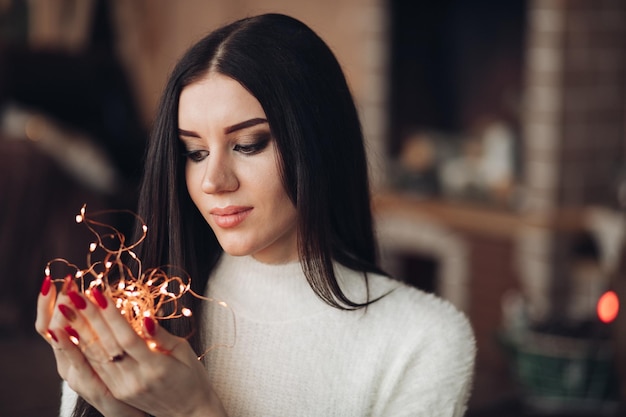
[
  {"x": 68, "y": 401},
  {"x": 434, "y": 376}
]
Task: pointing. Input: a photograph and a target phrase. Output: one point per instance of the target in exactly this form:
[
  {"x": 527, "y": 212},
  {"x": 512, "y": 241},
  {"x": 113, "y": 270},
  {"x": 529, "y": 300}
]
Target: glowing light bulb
[{"x": 608, "y": 307}]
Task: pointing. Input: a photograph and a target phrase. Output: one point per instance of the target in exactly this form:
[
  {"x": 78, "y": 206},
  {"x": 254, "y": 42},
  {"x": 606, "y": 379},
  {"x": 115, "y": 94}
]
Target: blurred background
[{"x": 495, "y": 131}]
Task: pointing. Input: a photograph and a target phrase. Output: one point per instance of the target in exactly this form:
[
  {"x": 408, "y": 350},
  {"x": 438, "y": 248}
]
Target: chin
[{"x": 235, "y": 250}]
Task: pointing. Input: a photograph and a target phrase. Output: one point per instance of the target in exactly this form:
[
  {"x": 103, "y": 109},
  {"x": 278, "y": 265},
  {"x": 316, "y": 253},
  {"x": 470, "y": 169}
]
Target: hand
[
  {"x": 159, "y": 372},
  {"x": 167, "y": 380},
  {"x": 72, "y": 365}
]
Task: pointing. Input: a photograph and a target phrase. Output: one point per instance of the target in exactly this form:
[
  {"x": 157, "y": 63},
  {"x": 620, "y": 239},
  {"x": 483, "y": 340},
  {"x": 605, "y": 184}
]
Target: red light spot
[{"x": 608, "y": 307}]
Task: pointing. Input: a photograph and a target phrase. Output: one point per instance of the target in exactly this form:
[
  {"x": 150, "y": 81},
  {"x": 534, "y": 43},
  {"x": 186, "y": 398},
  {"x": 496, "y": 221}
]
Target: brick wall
[
  {"x": 573, "y": 126},
  {"x": 574, "y": 119}
]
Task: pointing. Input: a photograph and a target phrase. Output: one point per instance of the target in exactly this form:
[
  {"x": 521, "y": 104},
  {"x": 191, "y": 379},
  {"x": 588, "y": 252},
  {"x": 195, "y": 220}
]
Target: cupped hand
[
  {"x": 119, "y": 371},
  {"x": 72, "y": 365}
]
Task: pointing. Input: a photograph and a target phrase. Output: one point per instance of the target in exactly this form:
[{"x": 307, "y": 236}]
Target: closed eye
[
  {"x": 260, "y": 143},
  {"x": 196, "y": 156}
]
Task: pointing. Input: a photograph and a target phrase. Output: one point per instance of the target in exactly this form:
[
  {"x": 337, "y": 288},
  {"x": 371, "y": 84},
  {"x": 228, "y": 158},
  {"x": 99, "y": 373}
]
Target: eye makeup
[{"x": 250, "y": 144}]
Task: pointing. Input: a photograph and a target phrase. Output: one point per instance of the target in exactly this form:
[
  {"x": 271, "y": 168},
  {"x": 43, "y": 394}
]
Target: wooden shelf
[{"x": 474, "y": 218}]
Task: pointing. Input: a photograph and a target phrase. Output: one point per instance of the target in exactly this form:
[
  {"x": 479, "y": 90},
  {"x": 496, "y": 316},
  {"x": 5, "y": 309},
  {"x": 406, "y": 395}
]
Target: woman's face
[{"x": 232, "y": 170}]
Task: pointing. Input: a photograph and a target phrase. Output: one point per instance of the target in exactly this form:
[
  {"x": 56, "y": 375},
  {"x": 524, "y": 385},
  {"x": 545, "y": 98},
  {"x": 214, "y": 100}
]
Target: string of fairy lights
[{"x": 154, "y": 293}]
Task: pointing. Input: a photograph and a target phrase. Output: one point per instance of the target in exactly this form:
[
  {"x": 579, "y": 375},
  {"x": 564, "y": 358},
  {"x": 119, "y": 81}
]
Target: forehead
[{"x": 217, "y": 98}]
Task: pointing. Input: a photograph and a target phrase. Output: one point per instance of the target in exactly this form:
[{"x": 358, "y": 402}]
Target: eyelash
[
  {"x": 195, "y": 156},
  {"x": 247, "y": 150}
]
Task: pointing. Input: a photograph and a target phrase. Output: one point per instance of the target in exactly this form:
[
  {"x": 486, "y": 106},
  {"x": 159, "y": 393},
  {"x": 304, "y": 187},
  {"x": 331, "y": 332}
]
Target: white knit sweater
[{"x": 407, "y": 354}]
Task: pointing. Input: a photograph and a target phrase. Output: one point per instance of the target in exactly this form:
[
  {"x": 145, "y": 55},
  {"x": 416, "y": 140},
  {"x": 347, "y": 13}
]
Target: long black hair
[{"x": 302, "y": 89}]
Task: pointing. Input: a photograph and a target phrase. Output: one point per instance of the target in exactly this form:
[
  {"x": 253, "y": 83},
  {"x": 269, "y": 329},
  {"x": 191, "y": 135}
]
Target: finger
[
  {"x": 74, "y": 368},
  {"x": 45, "y": 307},
  {"x": 86, "y": 380},
  {"x": 92, "y": 314},
  {"x": 67, "y": 314},
  {"x": 152, "y": 337},
  {"x": 67, "y": 353},
  {"x": 121, "y": 331}
]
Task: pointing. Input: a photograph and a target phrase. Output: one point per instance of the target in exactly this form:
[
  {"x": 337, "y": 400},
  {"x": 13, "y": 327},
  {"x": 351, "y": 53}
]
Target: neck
[{"x": 262, "y": 291}]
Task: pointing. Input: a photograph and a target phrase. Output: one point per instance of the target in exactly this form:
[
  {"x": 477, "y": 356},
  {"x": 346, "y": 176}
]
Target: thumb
[{"x": 160, "y": 340}]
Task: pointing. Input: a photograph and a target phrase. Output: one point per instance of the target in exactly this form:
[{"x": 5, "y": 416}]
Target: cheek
[{"x": 192, "y": 182}]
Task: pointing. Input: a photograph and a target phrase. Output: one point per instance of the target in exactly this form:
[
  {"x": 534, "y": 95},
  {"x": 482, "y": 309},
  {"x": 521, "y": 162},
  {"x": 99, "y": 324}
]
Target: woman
[{"x": 256, "y": 184}]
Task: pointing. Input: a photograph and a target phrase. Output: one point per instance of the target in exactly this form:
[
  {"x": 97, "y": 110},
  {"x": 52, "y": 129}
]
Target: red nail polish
[
  {"x": 45, "y": 287},
  {"x": 78, "y": 301},
  {"x": 67, "y": 284},
  {"x": 72, "y": 332},
  {"x": 97, "y": 295},
  {"x": 67, "y": 312},
  {"x": 52, "y": 335},
  {"x": 149, "y": 325}
]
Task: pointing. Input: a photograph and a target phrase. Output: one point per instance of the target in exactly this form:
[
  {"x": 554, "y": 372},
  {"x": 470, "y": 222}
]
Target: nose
[{"x": 219, "y": 175}]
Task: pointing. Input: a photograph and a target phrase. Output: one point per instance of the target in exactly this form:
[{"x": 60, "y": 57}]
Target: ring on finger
[{"x": 117, "y": 358}]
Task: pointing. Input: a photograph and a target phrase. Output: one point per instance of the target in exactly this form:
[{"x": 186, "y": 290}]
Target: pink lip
[{"x": 230, "y": 216}]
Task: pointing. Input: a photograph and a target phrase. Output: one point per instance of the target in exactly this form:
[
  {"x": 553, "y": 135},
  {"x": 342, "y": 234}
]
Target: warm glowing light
[
  {"x": 74, "y": 340},
  {"x": 608, "y": 307},
  {"x": 135, "y": 293}
]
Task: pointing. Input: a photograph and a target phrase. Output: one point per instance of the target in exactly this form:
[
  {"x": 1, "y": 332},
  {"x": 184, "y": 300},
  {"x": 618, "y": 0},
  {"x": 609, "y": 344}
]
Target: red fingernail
[
  {"x": 67, "y": 282},
  {"x": 97, "y": 295},
  {"x": 67, "y": 312},
  {"x": 78, "y": 301},
  {"x": 72, "y": 333},
  {"x": 45, "y": 287},
  {"x": 52, "y": 335},
  {"x": 149, "y": 325}
]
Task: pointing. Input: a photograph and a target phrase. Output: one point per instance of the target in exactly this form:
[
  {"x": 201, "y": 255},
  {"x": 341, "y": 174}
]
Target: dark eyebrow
[
  {"x": 229, "y": 129},
  {"x": 188, "y": 133},
  {"x": 244, "y": 125}
]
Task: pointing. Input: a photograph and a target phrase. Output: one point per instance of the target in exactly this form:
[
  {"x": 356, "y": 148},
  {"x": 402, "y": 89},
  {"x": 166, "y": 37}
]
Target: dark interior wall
[{"x": 454, "y": 62}]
